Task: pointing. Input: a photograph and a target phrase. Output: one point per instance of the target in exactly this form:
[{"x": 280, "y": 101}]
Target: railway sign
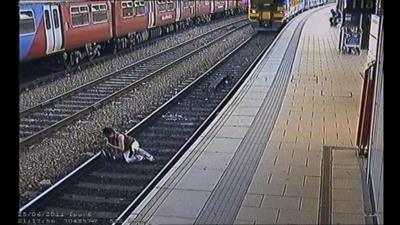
[{"x": 359, "y": 5}]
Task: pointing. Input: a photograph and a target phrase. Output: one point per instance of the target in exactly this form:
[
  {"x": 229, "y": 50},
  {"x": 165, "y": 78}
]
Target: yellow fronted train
[{"x": 272, "y": 15}]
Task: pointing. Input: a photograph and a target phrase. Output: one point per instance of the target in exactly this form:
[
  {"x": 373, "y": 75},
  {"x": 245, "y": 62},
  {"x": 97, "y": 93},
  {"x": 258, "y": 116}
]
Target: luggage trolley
[{"x": 351, "y": 37}]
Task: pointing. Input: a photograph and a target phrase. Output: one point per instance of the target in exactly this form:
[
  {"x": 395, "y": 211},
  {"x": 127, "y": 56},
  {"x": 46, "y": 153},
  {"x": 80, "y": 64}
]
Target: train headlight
[{"x": 253, "y": 11}]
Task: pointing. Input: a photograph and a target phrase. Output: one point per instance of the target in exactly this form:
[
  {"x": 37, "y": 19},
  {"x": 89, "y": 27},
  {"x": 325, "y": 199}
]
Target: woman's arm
[{"x": 121, "y": 146}]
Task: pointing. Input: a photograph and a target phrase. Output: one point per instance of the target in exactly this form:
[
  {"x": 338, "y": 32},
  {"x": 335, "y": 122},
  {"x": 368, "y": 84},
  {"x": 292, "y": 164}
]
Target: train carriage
[
  {"x": 63, "y": 26},
  {"x": 130, "y": 22},
  {"x": 295, "y": 7},
  {"x": 165, "y": 13},
  {"x": 74, "y": 30},
  {"x": 185, "y": 13},
  {"x": 203, "y": 10},
  {"x": 230, "y": 6},
  {"x": 218, "y": 6},
  {"x": 32, "y": 35},
  {"x": 86, "y": 23},
  {"x": 185, "y": 10},
  {"x": 306, "y": 5},
  {"x": 242, "y": 5}
]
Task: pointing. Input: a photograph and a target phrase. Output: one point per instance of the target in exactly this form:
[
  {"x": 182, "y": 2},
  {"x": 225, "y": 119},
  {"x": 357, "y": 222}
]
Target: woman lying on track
[{"x": 129, "y": 147}]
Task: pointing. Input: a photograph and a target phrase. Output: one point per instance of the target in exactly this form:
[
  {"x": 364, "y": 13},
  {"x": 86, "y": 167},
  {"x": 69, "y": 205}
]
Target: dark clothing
[
  {"x": 132, "y": 151},
  {"x": 338, "y": 17},
  {"x": 334, "y": 20},
  {"x": 127, "y": 141},
  {"x": 333, "y": 13}
]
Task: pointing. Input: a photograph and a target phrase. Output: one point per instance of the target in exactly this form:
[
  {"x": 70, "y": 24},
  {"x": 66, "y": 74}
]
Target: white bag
[{"x": 135, "y": 145}]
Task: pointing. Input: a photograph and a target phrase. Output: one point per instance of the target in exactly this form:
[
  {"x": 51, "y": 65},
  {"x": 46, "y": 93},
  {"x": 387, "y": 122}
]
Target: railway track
[
  {"x": 29, "y": 80},
  {"x": 27, "y": 69},
  {"x": 105, "y": 191},
  {"x": 45, "y": 118}
]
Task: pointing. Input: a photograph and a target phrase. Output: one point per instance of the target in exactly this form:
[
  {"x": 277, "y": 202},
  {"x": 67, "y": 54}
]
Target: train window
[
  {"x": 46, "y": 14},
  {"x": 79, "y": 15},
  {"x": 162, "y": 6},
  {"x": 206, "y": 2},
  {"x": 267, "y": 2},
  {"x": 85, "y": 18},
  {"x": 188, "y": 3},
  {"x": 261, "y": 5},
  {"x": 74, "y": 10},
  {"x": 99, "y": 13},
  {"x": 26, "y": 22},
  {"x": 185, "y": 4},
  {"x": 170, "y": 5},
  {"x": 83, "y": 9},
  {"x": 140, "y": 7},
  {"x": 55, "y": 16},
  {"x": 127, "y": 9}
]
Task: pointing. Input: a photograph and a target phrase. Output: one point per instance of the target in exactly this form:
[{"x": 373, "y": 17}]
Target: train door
[
  {"x": 212, "y": 2},
  {"x": 301, "y": 5},
  {"x": 52, "y": 22},
  {"x": 152, "y": 12},
  {"x": 179, "y": 9},
  {"x": 192, "y": 6}
]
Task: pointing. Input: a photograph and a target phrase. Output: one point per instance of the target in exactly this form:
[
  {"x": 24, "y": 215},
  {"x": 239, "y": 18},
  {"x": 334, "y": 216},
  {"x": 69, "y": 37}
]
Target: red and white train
[{"x": 78, "y": 29}]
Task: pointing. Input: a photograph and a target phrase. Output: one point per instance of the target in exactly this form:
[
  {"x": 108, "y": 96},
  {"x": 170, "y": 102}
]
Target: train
[
  {"x": 272, "y": 15},
  {"x": 75, "y": 30}
]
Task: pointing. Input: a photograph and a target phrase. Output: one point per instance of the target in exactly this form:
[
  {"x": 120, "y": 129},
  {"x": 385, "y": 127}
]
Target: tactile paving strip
[{"x": 224, "y": 202}]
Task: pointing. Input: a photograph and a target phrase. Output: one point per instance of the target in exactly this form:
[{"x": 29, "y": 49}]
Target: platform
[{"x": 261, "y": 160}]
